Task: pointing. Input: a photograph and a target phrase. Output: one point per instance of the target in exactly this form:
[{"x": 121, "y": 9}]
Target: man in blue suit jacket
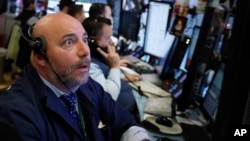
[{"x": 60, "y": 62}]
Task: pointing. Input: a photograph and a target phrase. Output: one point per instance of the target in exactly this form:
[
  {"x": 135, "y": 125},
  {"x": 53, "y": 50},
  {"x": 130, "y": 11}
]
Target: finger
[
  {"x": 113, "y": 48},
  {"x": 103, "y": 53},
  {"x": 109, "y": 49},
  {"x": 137, "y": 77},
  {"x": 126, "y": 61}
]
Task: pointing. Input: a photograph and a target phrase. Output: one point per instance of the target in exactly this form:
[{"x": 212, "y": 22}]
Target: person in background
[
  {"x": 55, "y": 99},
  {"x": 77, "y": 11},
  {"x": 64, "y": 5},
  {"x": 102, "y": 10},
  {"x": 105, "y": 63},
  {"x": 27, "y": 17}
]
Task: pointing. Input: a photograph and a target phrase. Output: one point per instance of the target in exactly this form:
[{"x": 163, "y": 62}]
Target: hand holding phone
[{"x": 112, "y": 58}]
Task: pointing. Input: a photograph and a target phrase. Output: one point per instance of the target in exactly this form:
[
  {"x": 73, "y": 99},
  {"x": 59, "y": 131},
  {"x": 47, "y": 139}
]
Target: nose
[
  {"x": 111, "y": 42},
  {"x": 83, "y": 49}
]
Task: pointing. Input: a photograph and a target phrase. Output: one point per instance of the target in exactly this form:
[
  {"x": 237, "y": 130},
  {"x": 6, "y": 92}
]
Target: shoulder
[
  {"x": 24, "y": 89},
  {"x": 92, "y": 85},
  {"x": 93, "y": 89},
  {"x": 94, "y": 66},
  {"x": 12, "y": 95},
  {"x": 12, "y": 101}
]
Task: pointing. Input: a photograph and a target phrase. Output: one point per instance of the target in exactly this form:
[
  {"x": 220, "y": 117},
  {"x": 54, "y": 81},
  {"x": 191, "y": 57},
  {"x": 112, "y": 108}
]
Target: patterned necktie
[{"x": 70, "y": 102}]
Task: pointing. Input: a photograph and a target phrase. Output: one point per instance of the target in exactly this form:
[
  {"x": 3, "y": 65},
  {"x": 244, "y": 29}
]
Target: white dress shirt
[{"x": 111, "y": 84}]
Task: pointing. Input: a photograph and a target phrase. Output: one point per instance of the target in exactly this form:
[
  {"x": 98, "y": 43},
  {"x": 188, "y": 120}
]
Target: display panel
[
  {"x": 157, "y": 40},
  {"x": 211, "y": 99},
  {"x": 129, "y": 25},
  {"x": 203, "y": 58}
]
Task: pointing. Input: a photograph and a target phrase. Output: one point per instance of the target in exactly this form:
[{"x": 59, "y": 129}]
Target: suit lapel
[
  {"x": 49, "y": 100},
  {"x": 86, "y": 98},
  {"x": 54, "y": 104}
]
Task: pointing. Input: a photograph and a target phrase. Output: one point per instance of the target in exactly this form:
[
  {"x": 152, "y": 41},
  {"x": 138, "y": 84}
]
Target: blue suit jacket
[{"x": 38, "y": 115}]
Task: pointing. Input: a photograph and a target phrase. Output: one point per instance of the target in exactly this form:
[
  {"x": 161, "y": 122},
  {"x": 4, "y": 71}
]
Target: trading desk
[
  {"x": 141, "y": 103},
  {"x": 143, "y": 100},
  {"x": 193, "y": 118}
]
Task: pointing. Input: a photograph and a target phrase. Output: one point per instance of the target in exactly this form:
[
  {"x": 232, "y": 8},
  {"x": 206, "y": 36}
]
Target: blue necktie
[{"x": 70, "y": 102}]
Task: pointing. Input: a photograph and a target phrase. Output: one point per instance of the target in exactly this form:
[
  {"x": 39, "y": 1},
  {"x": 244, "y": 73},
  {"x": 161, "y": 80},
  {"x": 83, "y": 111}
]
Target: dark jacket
[{"x": 38, "y": 115}]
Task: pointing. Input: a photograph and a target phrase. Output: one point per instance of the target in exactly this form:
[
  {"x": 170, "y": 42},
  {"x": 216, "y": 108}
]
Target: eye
[
  {"x": 69, "y": 42},
  {"x": 85, "y": 40}
]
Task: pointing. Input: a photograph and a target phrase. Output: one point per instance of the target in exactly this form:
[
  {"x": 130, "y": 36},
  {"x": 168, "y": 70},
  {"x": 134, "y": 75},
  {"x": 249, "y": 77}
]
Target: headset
[
  {"x": 92, "y": 43},
  {"x": 37, "y": 44}
]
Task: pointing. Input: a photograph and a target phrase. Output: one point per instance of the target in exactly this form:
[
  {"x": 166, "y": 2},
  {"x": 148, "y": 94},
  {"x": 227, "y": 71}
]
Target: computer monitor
[
  {"x": 176, "y": 55},
  {"x": 202, "y": 59},
  {"x": 211, "y": 99},
  {"x": 158, "y": 40},
  {"x": 129, "y": 25}
]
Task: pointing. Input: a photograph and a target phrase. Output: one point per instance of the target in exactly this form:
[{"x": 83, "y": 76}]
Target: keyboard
[
  {"x": 131, "y": 58},
  {"x": 138, "y": 65},
  {"x": 146, "y": 87},
  {"x": 149, "y": 89}
]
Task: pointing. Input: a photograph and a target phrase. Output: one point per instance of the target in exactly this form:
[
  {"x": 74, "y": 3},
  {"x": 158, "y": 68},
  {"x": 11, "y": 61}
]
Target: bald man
[{"x": 60, "y": 60}]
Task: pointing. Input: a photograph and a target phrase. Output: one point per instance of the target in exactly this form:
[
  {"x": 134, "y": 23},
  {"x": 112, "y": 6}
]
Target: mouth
[{"x": 84, "y": 67}]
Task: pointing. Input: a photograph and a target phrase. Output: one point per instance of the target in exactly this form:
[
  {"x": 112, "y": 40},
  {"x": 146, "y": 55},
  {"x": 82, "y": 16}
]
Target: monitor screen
[
  {"x": 203, "y": 57},
  {"x": 52, "y": 6},
  {"x": 158, "y": 40},
  {"x": 211, "y": 99},
  {"x": 129, "y": 25}
]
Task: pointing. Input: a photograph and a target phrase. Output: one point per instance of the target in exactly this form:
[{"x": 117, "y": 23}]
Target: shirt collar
[{"x": 56, "y": 91}]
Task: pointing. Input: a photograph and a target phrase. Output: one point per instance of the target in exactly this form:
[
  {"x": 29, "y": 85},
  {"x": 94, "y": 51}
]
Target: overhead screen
[{"x": 158, "y": 40}]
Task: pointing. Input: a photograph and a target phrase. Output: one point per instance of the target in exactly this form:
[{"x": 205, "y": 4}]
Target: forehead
[
  {"x": 107, "y": 9},
  {"x": 57, "y": 20},
  {"x": 68, "y": 27},
  {"x": 107, "y": 30},
  {"x": 59, "y": 29}
]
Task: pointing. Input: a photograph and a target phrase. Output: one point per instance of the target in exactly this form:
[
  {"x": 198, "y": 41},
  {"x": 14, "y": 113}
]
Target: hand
[
  {"x": 112, "y": 58},
  {"x": 124, "y": 62},
  {"x": 133, "y": 77}
]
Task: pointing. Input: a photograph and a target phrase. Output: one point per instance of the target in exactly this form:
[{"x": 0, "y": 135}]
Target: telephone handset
[{"x": 92, "y": 43}]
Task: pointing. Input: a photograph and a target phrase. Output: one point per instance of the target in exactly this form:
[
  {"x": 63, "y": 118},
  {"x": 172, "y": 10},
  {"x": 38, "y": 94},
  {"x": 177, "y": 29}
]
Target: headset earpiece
[{"x": 38, "y": 45}]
